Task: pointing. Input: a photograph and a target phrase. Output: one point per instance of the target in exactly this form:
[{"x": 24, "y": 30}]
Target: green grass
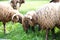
[
  {"x": 31, "y": 5},
  {"x": 15, "y": 31}
]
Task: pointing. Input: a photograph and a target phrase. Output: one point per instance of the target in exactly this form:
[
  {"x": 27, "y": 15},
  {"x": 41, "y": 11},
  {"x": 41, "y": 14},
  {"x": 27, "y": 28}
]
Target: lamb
[
  {"x": 16, "y": 3},
  {"x": 47, "y": 17},
  {"x": 7, "y": 13}
]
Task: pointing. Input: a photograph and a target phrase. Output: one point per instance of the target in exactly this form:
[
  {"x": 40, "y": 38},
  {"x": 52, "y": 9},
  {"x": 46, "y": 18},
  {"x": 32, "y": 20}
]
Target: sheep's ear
[
  {"x": 11, "y": 1},
  {"x": 22, "y": 1}
]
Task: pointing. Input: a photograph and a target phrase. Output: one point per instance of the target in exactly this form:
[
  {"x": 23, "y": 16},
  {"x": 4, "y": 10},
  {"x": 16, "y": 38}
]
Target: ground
[{"x": 15, "y": 31}]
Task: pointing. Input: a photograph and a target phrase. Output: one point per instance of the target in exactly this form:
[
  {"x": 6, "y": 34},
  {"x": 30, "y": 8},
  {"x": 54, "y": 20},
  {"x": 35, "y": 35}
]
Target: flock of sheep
[{"x": 47, "y": 16}]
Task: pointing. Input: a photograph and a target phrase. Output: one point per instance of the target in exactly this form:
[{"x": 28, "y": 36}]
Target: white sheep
[
  {"x": 7, "y": 13},
  {"x": 47, "y": 17}
]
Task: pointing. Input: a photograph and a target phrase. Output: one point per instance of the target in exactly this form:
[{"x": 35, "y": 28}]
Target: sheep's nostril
[{"x": 14, "y": 6}]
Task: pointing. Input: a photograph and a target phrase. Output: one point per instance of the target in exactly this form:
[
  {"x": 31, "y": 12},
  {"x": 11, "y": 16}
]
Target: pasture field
[{"x": 15, "y": 31}]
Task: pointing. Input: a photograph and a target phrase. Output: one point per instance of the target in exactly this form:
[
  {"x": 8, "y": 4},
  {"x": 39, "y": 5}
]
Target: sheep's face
[
  {"x": 16, "y": 3},
  {"x": 27, "y": 22}
]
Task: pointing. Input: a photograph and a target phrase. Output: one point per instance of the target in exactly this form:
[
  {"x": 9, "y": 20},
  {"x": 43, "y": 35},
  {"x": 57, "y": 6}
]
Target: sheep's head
[
  {"x": 16, "y": 3},
  {"x": 27, "y": 20},
  {"x": 25, "y": 23}
]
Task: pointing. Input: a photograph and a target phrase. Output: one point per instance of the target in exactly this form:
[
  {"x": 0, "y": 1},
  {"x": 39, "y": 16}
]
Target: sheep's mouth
[
  {"x": 26, "y": 26},
  {"x": 14, "y": 7}
]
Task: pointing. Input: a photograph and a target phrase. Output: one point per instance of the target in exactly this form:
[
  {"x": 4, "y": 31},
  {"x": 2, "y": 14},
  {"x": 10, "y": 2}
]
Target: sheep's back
[
  {"x": 48, "y": 15},
  {"x": 5, "y": 12}
]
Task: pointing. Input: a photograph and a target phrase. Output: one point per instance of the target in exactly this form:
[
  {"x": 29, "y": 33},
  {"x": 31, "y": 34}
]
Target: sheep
[
  {"x": 7, "y": 13},
  {"x": 16, "y": 3},
  {"x": 47, "y": 17},
  {"x": 54, "y": 1}
]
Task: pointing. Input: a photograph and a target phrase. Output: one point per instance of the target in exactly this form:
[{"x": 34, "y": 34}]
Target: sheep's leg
[
  {"x": 39, "y": 28},
  {"x": 4, "y": 28},
  {"x": 26, "y": 31},
  {"x": 47, "y": 31},
  {"x": 53, "y": 34},
  {"x": 33, "y": 29}
]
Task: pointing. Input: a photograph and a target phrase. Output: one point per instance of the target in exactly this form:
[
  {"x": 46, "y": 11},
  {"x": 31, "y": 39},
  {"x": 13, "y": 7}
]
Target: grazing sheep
[
  {"x": 7, "y": 13},
  {"x": 47, "y": 17},
  {"x": 54, "y": 1},
  {"x": 16, "y": 3}
]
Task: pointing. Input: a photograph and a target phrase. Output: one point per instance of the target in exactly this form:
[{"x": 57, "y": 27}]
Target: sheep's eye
[
  {"x": 17, "y": 2},
  {"x": 12, "y": 2}
]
